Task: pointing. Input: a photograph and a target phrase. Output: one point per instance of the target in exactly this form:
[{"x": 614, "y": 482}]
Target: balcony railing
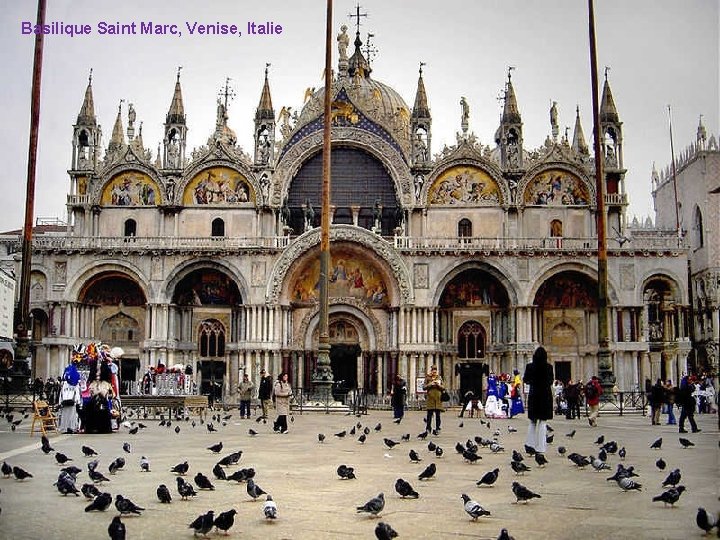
[
  {"x": 134, "y": 243},
  {"x": 616, "y": 198}
]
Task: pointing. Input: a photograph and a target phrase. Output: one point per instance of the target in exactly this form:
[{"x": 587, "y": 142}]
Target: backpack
[{"x": 591, "y": 391}]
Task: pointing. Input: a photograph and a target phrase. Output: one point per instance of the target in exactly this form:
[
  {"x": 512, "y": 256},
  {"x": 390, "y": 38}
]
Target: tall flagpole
[
  {"x": 323, "y": 377},
  {"x": 674, "y": 176},
  {"x": 605, "y": 373},
  {"x": 22, "y": 319}
]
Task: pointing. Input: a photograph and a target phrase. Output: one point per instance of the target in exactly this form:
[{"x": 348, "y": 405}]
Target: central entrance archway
[{"x": 344, "y": 352}]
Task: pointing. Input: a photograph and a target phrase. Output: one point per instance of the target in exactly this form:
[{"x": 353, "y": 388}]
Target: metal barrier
[{"x": 622, "y": 403}]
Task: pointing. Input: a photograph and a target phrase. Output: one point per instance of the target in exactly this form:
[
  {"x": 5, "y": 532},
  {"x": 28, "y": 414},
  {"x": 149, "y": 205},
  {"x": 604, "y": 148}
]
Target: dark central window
[{"x": 358, "y": 179}]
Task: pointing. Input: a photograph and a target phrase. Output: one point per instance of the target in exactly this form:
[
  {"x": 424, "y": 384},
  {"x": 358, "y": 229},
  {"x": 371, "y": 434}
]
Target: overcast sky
[{"x": 659, "y": 52}]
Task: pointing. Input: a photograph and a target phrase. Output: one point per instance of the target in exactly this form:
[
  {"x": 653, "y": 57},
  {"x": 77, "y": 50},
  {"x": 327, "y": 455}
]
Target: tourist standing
[
  {"x": 687, "y": 404},
  {"x": 572, "y": 399},
  {"x": 265, "y": 393},
  {"x": 539, "y": 375},
  {"x": 398, "y": 393},
  {"x": 69, "y": 400},
  {"x": 245, "y": 391},
  {"x": 670, "y": 391},
  {"x": 433, "y": 402},
  {"x": 657, "y": 398},
  {"x": 593, "y": 391},
  {"x": 282, "y": 392},
  {"x": 516, "y": 403}
]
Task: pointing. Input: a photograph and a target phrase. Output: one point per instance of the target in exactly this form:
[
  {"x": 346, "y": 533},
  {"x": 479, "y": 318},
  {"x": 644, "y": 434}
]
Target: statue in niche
[
  {"x": 377, "y": 214},
  {"x": 173, "y": 154},
  {"x": 420, "y": 149},
  {"x": 343, "y": 43},
  {"x": 419, "y": 181},
  {"x": 308, "y": 215}
]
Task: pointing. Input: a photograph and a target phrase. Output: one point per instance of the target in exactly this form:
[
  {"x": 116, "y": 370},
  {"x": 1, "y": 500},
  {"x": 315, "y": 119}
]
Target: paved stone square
[{"x": 314, "y": 503}]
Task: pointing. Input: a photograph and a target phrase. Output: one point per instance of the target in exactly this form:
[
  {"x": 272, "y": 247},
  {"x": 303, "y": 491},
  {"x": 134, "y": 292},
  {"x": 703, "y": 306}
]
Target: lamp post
[{"x": 605, "y": 372}]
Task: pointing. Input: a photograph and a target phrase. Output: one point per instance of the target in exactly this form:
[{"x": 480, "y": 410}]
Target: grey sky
[{"x": 660, "y": 52}]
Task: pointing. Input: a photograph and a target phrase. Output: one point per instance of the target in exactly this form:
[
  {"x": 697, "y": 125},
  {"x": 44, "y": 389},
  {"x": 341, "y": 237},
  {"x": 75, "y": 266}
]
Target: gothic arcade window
[
  {"x": 464, "y": 228},
  {"x": 130, "y": 228},
  {"x": 218, "y": 227},
  {"x": 212, "y": 338},
  {"x": 471, "y": 340},
  {"x": 699, "y": 239}
]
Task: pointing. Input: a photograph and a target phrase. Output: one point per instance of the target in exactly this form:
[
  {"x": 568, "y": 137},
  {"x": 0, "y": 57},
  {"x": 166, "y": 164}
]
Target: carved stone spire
[
  {"x": 175, "y": 130},
  {"x": 579, "y": 144},
  {"x": 608, "y": 111},
  {"x": 86, "y": 116},
  {"x": 511, "y": 112},
  {"x": 420, "y": 124},
  {"x": 421, "y": 109},
  {"x": 358, "y": 66},
  {"x": 117, "y": 139},
  {"x": 265, "y": 107},
  {"x": 176, "y": 113},
  {"x": 265, "y": 127},
  {"x": 509, "y": 135},
  {"x": 701, "y": 135}
]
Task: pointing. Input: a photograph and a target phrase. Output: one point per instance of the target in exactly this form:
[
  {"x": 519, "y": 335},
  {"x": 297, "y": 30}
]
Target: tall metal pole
[
  {"x": 607, "y": 379},
  {"x": 674, "y": 177},
  {"x": 323, "y": 377},
  {"x": 22, "y": 320}
]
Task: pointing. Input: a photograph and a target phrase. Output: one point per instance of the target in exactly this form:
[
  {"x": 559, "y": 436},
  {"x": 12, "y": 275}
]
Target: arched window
[
  {"x": 556, "y": 228},
  {"x": 212, "y": 338},
  {"x": 218, "y": 227},
  {"x": 471, "y": 340},
  {"x": 130, "y": 228},
  {"x": 464, "y": 228},
  {"x": 699, "y": 240}
]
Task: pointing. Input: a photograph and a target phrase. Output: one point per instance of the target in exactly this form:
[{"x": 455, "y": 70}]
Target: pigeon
[
  {"x": 580, "y": 461},
  {"x": 431, "y": 446},
  {"x": 439, "y": 452},
  {"x": 389, "y": 442},
  {"x": 366, "y": 430},
  {"x": 101, "y": 503},
  {"x": 517, "y": 456},
  {"x": 673, "y": 479},
  {"x": 66, "y": 484},
  {"x": 231, "y": 459},
  {"x": 341, "y": 434},
  {"x": 598, "y": 464},
  {"x": 561, "y": 450},
  {"x": 362, "y": 438},
  {"x": 540, "y": 459},
  {"x": 404, "y": 489},
  {"x": 529, "y": 450},
  {"x": 93, "y": 465},
  {"x": 72, "y": 469},
  {"x": 97, "y": 476},
  {"x": 116, "y": 465},
  {"x": 21, "y": 474},
  {"x": 423, "y": 435},
  {"x": 181, "y": 468},
  {"x": 216, "y": 448},
  {"x": 254, "y": 490},
  {"x": 428, "y": 473},
  {"x": 519, "y": 467},
  {"x": 495, "y": 448},
  {"x": 219, "y": 472},
  {"x": 252, "y": 432},
  {"x": 270, "y": 508},
  {"x": 489, "y": 478},
  {"x": 610, "y": 447},
  {"x": 660, "y": 464},
  {"x": 685, "y": 442},
  {"x": 210, "y": 428},
  {"x": 470, "y": 457},
  {"x": 383, "y": 531},
  {"x": 571, "y": 434},
  {"x": 549, "y": 439},
  {"x": 512, "y": 429},
  {"x": 44, "y": 445},
  {"x": 203, "y": 524},
  {"x": 473, "y": 508},
  {"x": 602, "y": 455},
  {"x": 600, "y": 440},
  {"x": 378, "y": 427},
  {"x": 133, "y": 430},
  {"x": 628, "y": 484},
  {"x": 203, "y": 482},
  {"x": 622, "y": 453},
  {"x": 225, "y": 520},
  {"x": 90, "y": 491},
  {"x": 61, "y": 458},
  {"x": 405, "y": 437},
  {"x": 321, "y": 437},
  {"x": 505, "y": 535},
  {"x": 374, "y": 506},
  {"x": 238, "y": 476},
  {"x": 345, "y": 472},
  {"x": 126, "y": 506},
  {"x": 414, "y": 457},
  {"x": 185, "y": 489},
  {"x": 88, "y": 451},
  {"x": 670, "y": 496},
  {"x": 704, "y": 520},
  {"x": 116, "y": 529},
  {"x": 7, "y": 469},
  {"x": 459, "y": 448},
  {"x": 127, "y": 447},
  {"x": 657, "y": 444},
  {"x": 144, "y": 464},
  {"x": 352, "y": 431},
  {"x": 163, "y": 494},
  {"x": 522, "y": 493}
]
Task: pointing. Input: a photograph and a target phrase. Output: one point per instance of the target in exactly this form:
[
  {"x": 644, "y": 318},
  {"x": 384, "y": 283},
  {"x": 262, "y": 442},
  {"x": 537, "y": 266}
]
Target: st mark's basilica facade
[{"x": 466, "y": 256}]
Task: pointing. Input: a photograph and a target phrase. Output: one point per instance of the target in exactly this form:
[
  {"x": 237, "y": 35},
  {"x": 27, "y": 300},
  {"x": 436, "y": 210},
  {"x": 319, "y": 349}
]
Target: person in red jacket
[{"x": 593, "y": 391}]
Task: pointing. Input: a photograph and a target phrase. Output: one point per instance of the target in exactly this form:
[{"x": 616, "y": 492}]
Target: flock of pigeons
[{"x": 471, "y": 451}]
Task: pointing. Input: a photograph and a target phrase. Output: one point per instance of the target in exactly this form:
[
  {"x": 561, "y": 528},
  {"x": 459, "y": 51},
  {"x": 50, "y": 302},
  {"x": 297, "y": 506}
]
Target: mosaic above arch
[
  {"x": 129, "y": 188},
  {"x": 464, "y": 185},
  {"x": 351, "y": 276},
  {"x": 207, "y": 287},
  {"x": 556, "y": 187},
  {"x": 568, "y": 290},
  {"x": 474, "y": 288},
  {"x": 217, "y": 186}
]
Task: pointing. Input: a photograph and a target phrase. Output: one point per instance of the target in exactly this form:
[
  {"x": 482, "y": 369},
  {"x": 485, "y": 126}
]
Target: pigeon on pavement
[
  {"x": 225, "y": 520},
  {"x": 522, "y": 493},
  {"x": 116, "y": 529},
  {"x": 345, "y": 472},
  {"x": 101, "y": 503},
  {"x": 657, "y": 444},
  {"x": 383, "y": 531},
  {"x": 374, "y": 506},
  {"x": 144, "y": 464},
  {"x": 414, "y": 457},
  {"x": 685, "y": 442},
  {"x": 127, "y": 447},
  {"x": 216, "y": 448},
  {"x": 670, "y": 496},
  {"x": 254, "y": 490},
  {"x": 126, "y": 506},
  {"x": 489, "y": 478},
  {"x": 404, "y": 489},
  {"x": 181, "y": 468},
  {"x": 203, "y": 524},
  {"x": 628, "y": 484},
  {"x": 90, "y": 491},
  {"x": 61, "y": 458},
  {"x": 540, "y": 459},
  {"x": 20, "y": 473},
  {"x": 473, "y": 508},
  {"x": 705, "y": 521},
  {"x": 185, "y": 489},
  {"x": 270, "y": 508},
  {"x": 673, "y": 479},
  {"x": 163, "y": 494},
  {"x": 88, "y": 451},
  {"x": 389, "y": 442},
  {"x": 660, "y": 464},
  {"x": 519, "y": 467},
  {"x": 428, "y": 473},
  {"x": 203, "y": 482}
]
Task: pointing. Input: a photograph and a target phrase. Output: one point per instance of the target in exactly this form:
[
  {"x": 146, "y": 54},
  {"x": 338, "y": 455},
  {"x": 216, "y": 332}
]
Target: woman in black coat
[{"x": 539, "y": 376}]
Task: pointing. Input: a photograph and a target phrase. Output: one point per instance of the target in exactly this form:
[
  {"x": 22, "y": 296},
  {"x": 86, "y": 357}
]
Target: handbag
[{"x": 445, "y": 396}]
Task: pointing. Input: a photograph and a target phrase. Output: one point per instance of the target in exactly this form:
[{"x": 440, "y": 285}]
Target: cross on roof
[{"x": 357, "y": 16}]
